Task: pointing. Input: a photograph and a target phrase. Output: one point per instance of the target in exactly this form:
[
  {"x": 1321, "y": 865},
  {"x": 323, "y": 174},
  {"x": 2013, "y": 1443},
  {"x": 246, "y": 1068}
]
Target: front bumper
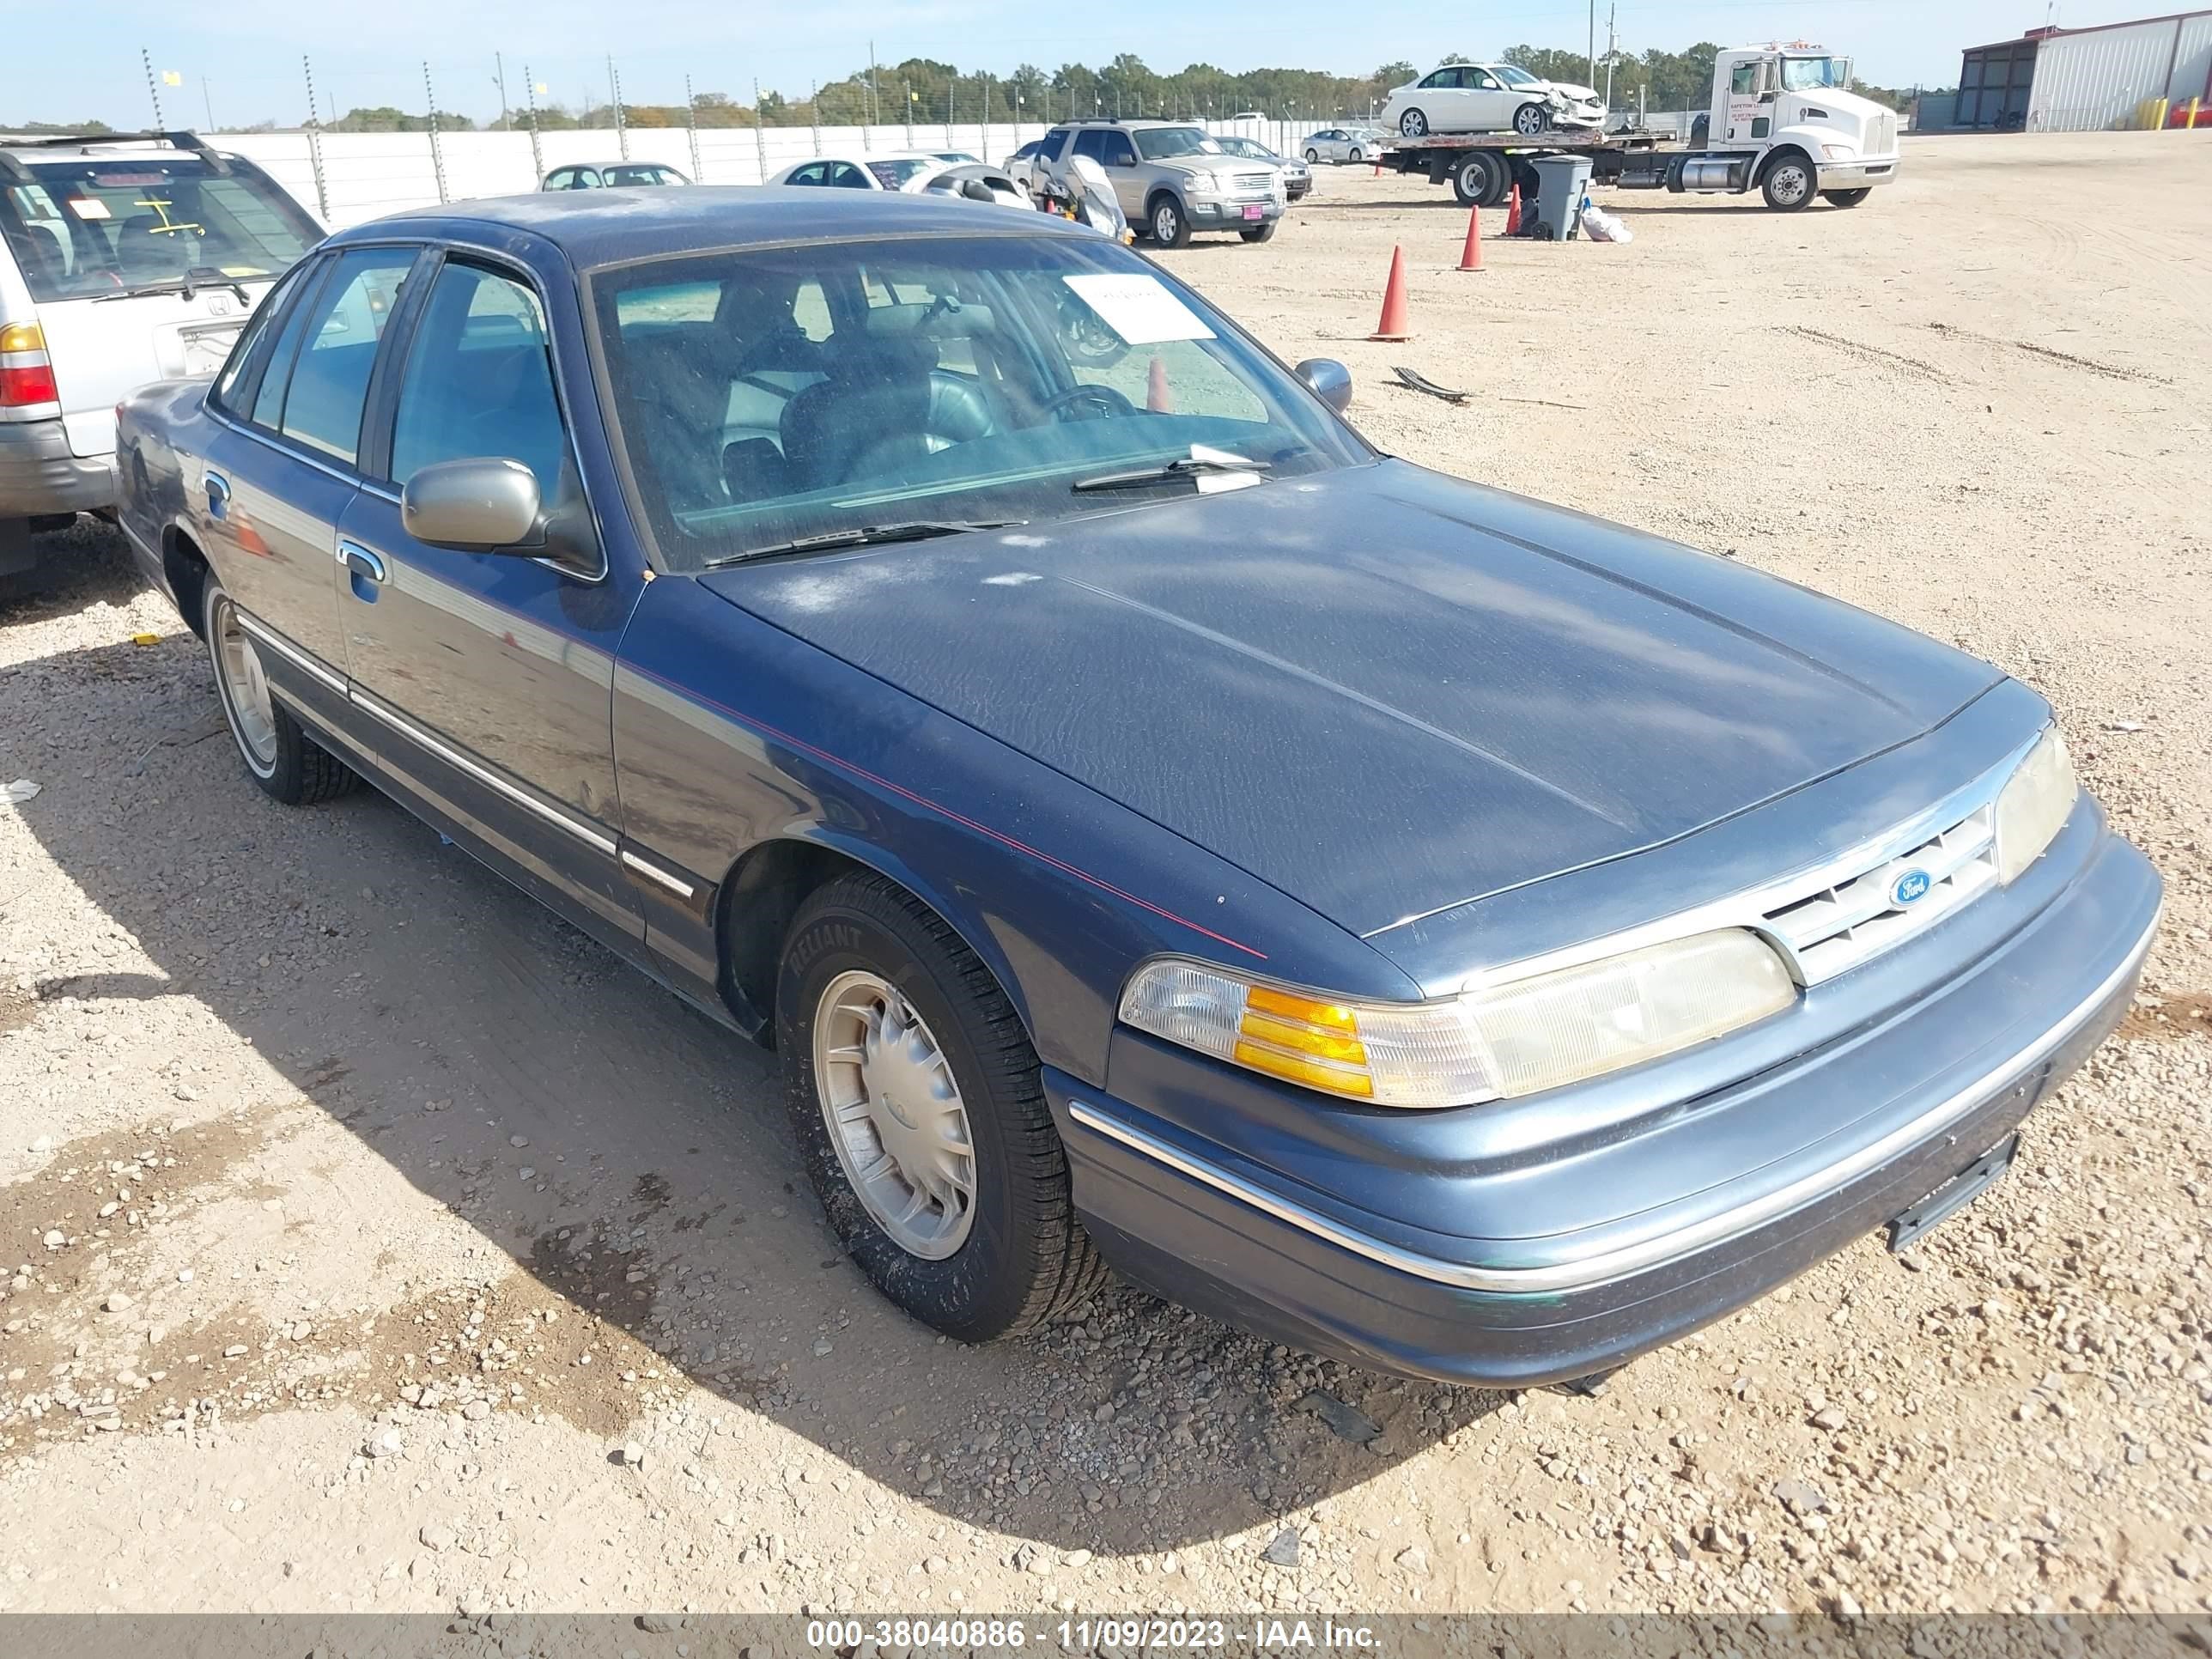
[
  {"x": 1854, "y": 175},
  {"x": 1718, "y": 1214},
  {"x": 38, "y": 473},
  {"x": 1230, "y": 215}
]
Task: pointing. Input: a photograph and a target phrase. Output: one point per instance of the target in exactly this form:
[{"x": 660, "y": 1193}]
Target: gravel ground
[{"x": 373, "y": 1242}]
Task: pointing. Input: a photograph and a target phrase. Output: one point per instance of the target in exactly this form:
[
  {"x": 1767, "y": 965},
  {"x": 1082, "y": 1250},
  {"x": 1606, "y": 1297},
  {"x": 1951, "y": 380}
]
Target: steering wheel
[{"x": 1109, "y": 401}]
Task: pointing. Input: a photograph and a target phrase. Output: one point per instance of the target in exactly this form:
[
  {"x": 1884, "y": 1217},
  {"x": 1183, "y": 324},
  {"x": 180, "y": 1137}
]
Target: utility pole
[
  {"x": 153, "y": 89},
  {"x": 760, "y": 138},
  {"x": 1593, "y": 40},
  {"x": 499, "y": 75},
  {"x": 437, "y": 158},
  {"x": 315, "y": 141},
  {"x": 875, "y": 102},
  {"x": 692, "y": 128},
  {"x": 537, "y": 154},
  {"x": 1611, "y": 50},
  {"x": 614, "y": 89}
]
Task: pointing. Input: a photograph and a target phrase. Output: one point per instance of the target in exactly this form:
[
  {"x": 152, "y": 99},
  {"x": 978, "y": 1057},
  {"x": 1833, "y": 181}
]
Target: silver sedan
[{"x": 1338, "y": 145}]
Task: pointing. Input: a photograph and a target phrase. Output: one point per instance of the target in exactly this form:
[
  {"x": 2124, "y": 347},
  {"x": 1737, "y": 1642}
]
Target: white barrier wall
[{"x": 365, "y": 174}]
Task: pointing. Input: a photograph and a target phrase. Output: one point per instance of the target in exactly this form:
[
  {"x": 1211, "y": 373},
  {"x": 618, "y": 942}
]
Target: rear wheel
[
  {"x": 1790, "y": 183},
  {"x": 1164, "y": 220},
  {"x": 1413, "y": 124},
  {"x": 1846, "y": 197},
  {"x": 918, "y": 1108},
  {"x": 1480, "y": 179},
  {"x": 288, "y": 763},
  {"x": 1312, "y": 157},
  {"x": 1530, "y": 120}
]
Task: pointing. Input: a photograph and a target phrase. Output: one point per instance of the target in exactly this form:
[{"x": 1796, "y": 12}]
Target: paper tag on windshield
[
  {"x": 1139, "y": 308},
  {"x": 88, "y": 207}
]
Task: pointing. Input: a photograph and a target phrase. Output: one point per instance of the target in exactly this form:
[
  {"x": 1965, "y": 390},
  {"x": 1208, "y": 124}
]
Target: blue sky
[{"x": 249, "y": 50}]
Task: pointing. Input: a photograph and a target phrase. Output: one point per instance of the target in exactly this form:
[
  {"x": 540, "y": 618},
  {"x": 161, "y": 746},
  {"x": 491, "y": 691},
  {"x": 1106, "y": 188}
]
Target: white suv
[{"x": 125, "y": 258}]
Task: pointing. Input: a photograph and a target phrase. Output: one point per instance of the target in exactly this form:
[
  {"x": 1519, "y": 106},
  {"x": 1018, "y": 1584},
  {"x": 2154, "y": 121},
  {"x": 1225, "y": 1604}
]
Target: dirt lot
[{"x": 377, "y": 1243}]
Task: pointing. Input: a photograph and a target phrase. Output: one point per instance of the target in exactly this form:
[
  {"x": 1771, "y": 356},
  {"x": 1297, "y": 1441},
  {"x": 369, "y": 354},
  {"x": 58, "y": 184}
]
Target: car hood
[{"x": 1384, "y": 691}]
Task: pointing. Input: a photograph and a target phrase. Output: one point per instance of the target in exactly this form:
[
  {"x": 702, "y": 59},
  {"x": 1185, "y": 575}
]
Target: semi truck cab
[{"x": 1785, "y": 112}]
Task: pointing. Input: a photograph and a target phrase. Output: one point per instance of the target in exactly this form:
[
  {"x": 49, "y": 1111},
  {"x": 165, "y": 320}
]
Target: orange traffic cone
[
  {"x": 1158, "y": 399},
  {"x": 1470, "y": 257},
  {"x": 1513, "y": 210},
  {"x": 1393, "y": 325}
]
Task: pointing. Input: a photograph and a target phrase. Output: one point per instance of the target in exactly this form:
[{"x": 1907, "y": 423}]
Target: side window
[
  {"x": 1443, "y": 77},
  {"x": 269, "y": 402},
  {"x": 587, "y": 179},
  {"x": 845, "y": 176},
  {"x": 1743, "y": 80},
  {"x": 810, "y": 174},
  {"x": 1481, "y": 80},
  {"x": 1049, "y": 146},
  {"x": 479, "y": 380},
  {"x": 329, "y": 381},
  {"x": 242, "y": 352},
  {"x": 559, "y": 178},
  {"x": 1091, "y": 141},
  {"x": 1120, "y": 153},
  {"x": 809, "y": 312}
]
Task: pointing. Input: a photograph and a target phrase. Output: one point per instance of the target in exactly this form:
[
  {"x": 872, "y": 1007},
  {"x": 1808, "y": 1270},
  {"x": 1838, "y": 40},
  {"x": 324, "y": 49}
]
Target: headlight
[
  {"x": 1496, "y": 1040},
  {"x": 2033, "y": 807},
  {"x": 1837, "y": 152}
]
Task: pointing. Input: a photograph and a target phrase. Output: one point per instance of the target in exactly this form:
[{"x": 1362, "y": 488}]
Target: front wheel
[
  {"x": 921, "y": 1115},
  {"x": 279, "y": 755},
  {"x": 1168, "y": 226},
  {"x": 1413, "y": 124},
  {"x": 1357, "y": 158},
  {"x": 1260, "y": 233},
  {"x": 1847, "y": 198},
  {"x": 1789, "y": 184},
  {"x": 1530, "y": 120}
]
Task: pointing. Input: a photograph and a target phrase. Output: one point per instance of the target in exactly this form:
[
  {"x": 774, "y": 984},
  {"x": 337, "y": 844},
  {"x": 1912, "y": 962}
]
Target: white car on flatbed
[
  {"x": 1490, "y": 98},
  {"x": 125, "y": 258}
]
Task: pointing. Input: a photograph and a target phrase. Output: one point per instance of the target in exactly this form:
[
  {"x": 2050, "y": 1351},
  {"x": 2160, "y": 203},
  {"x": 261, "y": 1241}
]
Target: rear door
[
  {"x": 281, "y": 474},
  {"x": 490, "y": 674}
]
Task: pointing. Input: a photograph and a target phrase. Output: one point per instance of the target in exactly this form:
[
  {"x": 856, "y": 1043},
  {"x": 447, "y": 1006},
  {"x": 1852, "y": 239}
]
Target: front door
[
  {"x": 1489, "y": 102},
  {"x": 490, "y": 674}
]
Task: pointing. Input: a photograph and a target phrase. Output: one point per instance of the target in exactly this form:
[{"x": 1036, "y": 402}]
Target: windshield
[
  {"x": 1162, "y": 143},
  {"x": 1804, "y": 74},
  {"x": 642, "y": 174},
  {"x": 86, "y": 226},
  {"x": 1515, "y": 77},
  {"x": 847, "y": 385},
  {"x": 895, "y": 175}
]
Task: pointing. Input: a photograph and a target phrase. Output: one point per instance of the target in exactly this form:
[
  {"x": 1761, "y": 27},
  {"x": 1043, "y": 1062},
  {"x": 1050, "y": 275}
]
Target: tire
[
  {"x": 1790, "y": 181},
  {"x": 1313, "y": 157},
  {"x": 1846, "y": 198},
  {"x": 1166, "y": 223},
  {"x": 1020, "y": 1256},
  {"x": 279, "y": 755},
  {"x": 1530, "y": 120},
  {"x": 1261, "y": 232},
  {"x": 1413, "y": 123},
  {"x": 1479, "y": 180}
]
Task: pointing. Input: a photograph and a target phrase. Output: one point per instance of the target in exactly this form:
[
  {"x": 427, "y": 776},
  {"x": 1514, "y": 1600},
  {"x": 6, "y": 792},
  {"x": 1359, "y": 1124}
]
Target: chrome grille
[
  {"x": 1254, "y": 184},
  {"x": 1841, "y": 925},
  {"x": 1881, "y": 135}
]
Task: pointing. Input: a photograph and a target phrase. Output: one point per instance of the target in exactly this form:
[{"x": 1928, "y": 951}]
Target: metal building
[{"x": 2088, "y": 80}]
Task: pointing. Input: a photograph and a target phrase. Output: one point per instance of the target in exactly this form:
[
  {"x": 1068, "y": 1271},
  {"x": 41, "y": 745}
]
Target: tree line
[{"x": 923, "y": 92}]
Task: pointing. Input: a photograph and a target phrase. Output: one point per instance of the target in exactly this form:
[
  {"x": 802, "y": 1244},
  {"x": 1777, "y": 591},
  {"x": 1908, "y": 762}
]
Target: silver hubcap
[
  {"x": 1413, "y": 126},
  {"x": 246, "y": 692},
  {"x": 1163, "y": 223},
  {"x": 1530, "y": 121},
  {"x": 1790, "y": 184},
  {"x": 895, "y": 1115}
]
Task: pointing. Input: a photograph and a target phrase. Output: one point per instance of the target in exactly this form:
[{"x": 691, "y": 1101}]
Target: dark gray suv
[{"x": 1172, "y": 178}]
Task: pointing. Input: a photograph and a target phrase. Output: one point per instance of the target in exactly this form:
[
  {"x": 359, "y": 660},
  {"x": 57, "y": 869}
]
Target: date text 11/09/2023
[{"x": 1090, "y": 1635}]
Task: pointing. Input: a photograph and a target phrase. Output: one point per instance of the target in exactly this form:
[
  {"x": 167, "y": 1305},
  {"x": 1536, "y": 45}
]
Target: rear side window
[
  {"x": 329, "y": 377},
  {"x": 242, "y": 352},
  {"x": 479, "y": 380}
]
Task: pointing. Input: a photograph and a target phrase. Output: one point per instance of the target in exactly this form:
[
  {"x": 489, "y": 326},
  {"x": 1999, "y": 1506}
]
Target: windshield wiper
[
  {"x": 1184, "y": 466},
  {"x": 188, "y": 284},
  {"x": 912, "y": 530}
]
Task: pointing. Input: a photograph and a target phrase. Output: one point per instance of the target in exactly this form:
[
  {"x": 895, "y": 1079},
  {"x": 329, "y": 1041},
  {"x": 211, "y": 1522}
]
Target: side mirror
[
  {"x": 482, "y": 505},
  {"x": 1328, "y": 380}
]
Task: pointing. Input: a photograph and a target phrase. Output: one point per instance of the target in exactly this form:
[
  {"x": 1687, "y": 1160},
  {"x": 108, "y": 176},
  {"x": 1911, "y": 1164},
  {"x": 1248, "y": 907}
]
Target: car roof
[
  {"x": 593, "y": 228},
  {"x": 612, "y": 161}
]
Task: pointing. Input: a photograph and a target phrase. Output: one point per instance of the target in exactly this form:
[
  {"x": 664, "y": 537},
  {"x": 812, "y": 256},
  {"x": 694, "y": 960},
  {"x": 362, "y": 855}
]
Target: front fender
[{"x": 730, "y": 734}]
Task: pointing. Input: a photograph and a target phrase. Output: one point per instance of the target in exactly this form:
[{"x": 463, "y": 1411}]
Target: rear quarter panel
[{"x": 161, "y": 436}]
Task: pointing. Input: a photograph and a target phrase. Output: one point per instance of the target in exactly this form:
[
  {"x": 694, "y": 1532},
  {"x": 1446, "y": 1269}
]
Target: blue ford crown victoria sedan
[{"x": 1155, "y": 828}]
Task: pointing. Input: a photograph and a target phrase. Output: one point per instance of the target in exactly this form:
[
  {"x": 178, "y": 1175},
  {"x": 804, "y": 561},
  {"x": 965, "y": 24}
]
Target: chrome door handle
[
  {"x": 358, "y": 560},
  {"x": 218, "y": 495}
]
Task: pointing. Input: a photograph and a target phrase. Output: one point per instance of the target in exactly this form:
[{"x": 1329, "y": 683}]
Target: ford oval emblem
[{"x": 1910, "y": 887}]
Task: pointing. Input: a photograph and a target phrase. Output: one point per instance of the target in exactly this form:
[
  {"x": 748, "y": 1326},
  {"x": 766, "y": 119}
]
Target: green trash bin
[{"x": 1561, "y": 183}]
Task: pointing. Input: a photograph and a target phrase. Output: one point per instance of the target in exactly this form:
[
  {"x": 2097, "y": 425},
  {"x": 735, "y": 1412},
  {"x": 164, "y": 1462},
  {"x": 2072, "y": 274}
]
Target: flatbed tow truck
[{"x": 1781, "y": 123}]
